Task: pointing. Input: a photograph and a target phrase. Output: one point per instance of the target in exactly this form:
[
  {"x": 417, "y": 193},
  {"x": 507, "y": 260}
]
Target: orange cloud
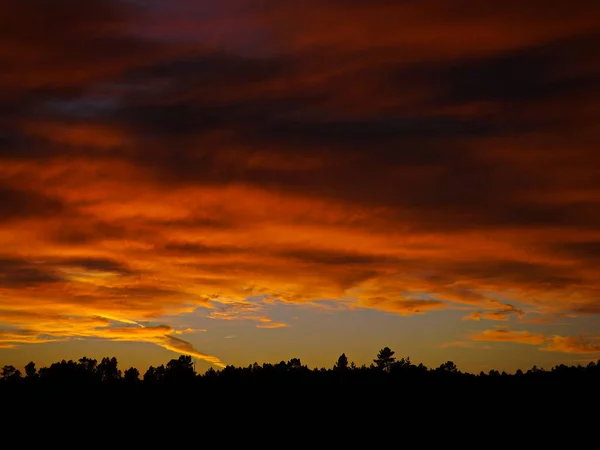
[
  {"x": 79, "y": 135},
  {"x": 555, "y": 343},
  {"x": 268, "y": 323},
  {"x": 519, "y": 337},
  {"x": 272, "y": 325},
  {"x": 11, "y": 338},
  {"x": 47, "y": 328},
  {"x": 402, "y": 307},
  {"x": 500, "y": 315},
  {"x": 572, "y": 344},
  {"x": 181, "y": 346},
  {"x": 245, "y": 311},
  {"x": 194, "y": 330}
]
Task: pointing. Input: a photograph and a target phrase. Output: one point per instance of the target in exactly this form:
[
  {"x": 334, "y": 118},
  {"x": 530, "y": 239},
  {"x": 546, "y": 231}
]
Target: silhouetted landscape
[
  {"x": 386, "y": 369},
  {"x": 391, "y": 392}
]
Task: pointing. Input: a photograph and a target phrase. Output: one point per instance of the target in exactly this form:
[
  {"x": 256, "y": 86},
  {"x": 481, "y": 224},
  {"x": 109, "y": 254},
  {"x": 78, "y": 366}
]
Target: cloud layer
[
  {"x": 555, "y": 343},
  {"x": 408, "y": 157}
]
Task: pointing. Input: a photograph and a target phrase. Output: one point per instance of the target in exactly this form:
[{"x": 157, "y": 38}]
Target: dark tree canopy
[
  {"x": 10, "y": 373},
  {"x": 385, "y": 359},
  {"x": 386, "y": 370},
  {"x": 342, "y": 362},
  {"x": 132, "y": 375},
  {"x": 30, "y": 371}
]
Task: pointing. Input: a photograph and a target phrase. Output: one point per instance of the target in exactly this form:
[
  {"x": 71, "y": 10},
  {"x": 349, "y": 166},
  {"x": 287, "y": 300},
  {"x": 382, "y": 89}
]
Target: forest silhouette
[
  {"x": 385, "y": 369},
  {"x": 390, "y": 392},
  {"x": 343, "y": 404}
]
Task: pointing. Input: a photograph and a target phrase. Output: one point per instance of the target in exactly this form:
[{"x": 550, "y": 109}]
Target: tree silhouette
[
  {"x": 180, "y": 369},
  {"x": 30, "y": 371},
  {"x": 294, "y": 364},
  {"x": 88, "y": 365},
  {"x": 87, "y": 370},
  {"x": 108, "y": 369},
  {"x": 10, "y": 373},
  {"x": 385, "y": 359},
  {"x": 342, "y": 363},
  {"x": 152, "y": 375},
  {"x": 448, "y": 368},
  {"x": 131, "y": 375}
]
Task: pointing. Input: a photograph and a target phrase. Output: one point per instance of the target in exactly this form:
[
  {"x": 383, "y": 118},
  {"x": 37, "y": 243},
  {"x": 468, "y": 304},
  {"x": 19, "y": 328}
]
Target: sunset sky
[{"x": 257, "y": 180}]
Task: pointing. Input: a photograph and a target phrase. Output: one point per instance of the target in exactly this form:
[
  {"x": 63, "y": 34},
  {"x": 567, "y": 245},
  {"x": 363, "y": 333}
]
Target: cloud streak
[
  {"x": 40, "y": 329},
  {"x": 502, "y": 335},
  {"x": 554, "y": 343},
  {"x": 499, "y": 315},
  {"x": 573, "y": 344}
]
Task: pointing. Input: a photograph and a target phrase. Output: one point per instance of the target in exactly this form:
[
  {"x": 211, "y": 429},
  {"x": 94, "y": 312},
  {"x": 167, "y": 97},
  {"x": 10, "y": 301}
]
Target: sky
[{"x": 257, "y": 180}]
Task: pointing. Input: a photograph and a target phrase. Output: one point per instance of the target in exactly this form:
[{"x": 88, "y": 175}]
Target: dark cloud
[
  {"x": 65, "y": 45},
  {"x": 588, "y": 308},
  {"x": 15, "y": 272},
  {"x": 199, "y": 249},
  {"x": 21, "y": 273},
  {"x": 402, "y": 306},
  {"x": 221, "y": 71},
  {"x": 406, "y": 159},
  {"x": 90, "y": 232},
  {"x": 206, "y": 92},
  {"x": 498, "y": 315},
  {"x": 140, "y": 292},
  {"x": 518, "y": 273},
  {"x": 393, "y": 171},
  {"x": 17, "y": 203},
  {"x": 336, "y": 258},
  {"x": 584, "y": 251},
  {"x": 384, "y": 135},
  {"x": 97, "y": 265},
  {"x": 516, "y": 76},
  {"x": 56, "y": 54}
]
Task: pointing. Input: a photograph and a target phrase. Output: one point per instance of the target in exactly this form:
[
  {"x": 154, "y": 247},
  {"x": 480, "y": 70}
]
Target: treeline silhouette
[{"x": 385, "y": 369}]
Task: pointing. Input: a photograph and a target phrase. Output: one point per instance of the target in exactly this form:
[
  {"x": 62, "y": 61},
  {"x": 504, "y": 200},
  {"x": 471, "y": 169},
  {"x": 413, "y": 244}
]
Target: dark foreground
[
  {"x": 397, "y": 413},
  {"x": 288, "y": 401}
]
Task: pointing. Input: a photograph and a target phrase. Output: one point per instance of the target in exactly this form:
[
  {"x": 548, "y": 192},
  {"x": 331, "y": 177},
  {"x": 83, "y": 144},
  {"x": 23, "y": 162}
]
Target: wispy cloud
[
  {"x": 501, "y": 335},
  {"x": 498, "y": 315},
  {"x": 181, "y": 346},
  {"x": 268, "y": 323},
  {"x": 48, "y": 328},
  {"x": 554, "y": 343},
  {"x": 573, "y": 344},
  {"x": 250, "y": 310}
]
